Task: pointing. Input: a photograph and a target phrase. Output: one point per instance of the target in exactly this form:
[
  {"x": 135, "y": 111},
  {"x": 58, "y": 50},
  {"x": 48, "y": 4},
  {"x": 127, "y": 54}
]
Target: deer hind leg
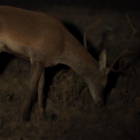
[
  {"x": 36, "y": 71},
  {"x": 40, "y": 95}
]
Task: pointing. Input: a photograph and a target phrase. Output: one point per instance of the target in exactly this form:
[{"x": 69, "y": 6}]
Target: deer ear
[{"x": 102, "y": 60}]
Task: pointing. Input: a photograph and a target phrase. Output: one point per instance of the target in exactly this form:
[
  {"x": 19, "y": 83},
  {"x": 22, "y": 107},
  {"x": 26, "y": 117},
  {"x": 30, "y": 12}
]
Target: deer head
[{"x": 98, "y": 82}]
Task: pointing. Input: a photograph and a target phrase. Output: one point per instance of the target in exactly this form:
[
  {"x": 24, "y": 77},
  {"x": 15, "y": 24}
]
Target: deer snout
[{"x": 99, "y": 103}]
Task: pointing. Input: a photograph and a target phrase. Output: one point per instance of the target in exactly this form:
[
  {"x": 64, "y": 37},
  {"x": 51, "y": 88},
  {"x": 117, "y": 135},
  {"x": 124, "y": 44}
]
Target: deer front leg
[
  {"x": 36, "y": 71},
  {"x": 40, "y": 95}
]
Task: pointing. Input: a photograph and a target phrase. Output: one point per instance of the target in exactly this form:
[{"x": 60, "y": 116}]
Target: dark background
[{"x": 98, "y": 4}]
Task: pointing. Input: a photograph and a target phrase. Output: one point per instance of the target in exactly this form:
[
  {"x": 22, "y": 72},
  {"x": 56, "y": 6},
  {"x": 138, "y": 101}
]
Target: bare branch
[{"x": 92, "y": 26}]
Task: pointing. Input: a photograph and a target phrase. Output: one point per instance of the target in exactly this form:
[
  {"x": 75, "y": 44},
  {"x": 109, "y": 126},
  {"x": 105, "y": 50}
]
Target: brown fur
[{"x": 44, "y": 41}]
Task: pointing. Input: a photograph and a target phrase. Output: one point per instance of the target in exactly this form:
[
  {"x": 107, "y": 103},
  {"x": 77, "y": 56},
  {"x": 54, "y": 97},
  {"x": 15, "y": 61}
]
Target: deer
[{"x": 43, "y": 40}]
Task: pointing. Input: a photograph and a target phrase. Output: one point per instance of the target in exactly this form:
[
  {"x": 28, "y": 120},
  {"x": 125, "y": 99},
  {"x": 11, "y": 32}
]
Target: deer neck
[{"x": 79, "y": 59}]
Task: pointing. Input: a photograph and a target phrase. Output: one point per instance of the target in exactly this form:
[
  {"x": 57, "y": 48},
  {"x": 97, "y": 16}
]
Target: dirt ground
[{"x": 71, "y": 112}]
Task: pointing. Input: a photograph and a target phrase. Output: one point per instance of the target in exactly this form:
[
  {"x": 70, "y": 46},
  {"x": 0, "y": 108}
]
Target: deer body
[{"x": 44, "y": 41}]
